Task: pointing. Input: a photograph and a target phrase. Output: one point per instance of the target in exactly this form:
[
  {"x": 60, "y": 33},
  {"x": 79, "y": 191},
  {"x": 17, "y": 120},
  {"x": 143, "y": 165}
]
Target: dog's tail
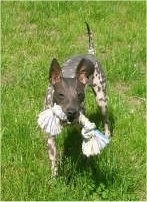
[{"x": 91, "y": 49}]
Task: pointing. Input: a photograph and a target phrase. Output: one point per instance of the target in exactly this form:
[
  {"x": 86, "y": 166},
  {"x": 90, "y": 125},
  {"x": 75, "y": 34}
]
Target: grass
[{"x": 32, "y": 34}]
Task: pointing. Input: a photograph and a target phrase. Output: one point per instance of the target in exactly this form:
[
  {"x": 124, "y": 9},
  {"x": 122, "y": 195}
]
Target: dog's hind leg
[
  {"x": 99, "y": 87},
  {"x": 52, "y": 154},
  {"x": 102, "y": 102}
]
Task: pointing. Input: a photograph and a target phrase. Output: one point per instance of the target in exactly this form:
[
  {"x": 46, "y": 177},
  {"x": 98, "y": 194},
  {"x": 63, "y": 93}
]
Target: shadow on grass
[
  {"x": 73, "y": 162},
  {"x": 97, "y": 119}
]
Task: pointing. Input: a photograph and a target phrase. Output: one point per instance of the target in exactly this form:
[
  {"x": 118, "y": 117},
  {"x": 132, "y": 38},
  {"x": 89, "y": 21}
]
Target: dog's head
[{"x": 69, "y": 93}]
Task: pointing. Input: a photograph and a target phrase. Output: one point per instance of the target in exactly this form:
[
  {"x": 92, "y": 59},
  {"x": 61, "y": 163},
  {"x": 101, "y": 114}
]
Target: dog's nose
[{"x": 71, "y": 114}]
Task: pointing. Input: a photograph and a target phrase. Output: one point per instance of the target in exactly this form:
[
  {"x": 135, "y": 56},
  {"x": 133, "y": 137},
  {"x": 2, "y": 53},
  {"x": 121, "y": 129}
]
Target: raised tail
[{"x": 91, "y": 49}]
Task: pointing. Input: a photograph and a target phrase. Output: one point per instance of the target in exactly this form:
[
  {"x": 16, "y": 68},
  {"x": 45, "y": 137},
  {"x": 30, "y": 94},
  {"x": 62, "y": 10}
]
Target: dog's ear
[
  {"x": 55, "y": 72},
  {"x": 84, "y": 70}
]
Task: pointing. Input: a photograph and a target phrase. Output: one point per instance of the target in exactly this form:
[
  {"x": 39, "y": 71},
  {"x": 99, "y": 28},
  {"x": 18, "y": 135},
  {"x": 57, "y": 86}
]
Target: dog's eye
[{"x": 61, "y": 95}]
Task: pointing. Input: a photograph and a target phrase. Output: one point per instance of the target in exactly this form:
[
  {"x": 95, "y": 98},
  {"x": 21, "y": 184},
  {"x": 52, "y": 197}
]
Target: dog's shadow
[{"x": 73, "y": 161}]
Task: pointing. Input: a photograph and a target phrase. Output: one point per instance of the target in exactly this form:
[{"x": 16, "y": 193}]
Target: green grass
[{"x": 32, "y": 34}]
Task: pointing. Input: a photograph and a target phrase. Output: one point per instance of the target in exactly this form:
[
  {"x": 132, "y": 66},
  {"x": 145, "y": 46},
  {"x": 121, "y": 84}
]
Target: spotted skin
[
  {"x": 51, "y": 143},
  {"x": 48, "y": 102}
]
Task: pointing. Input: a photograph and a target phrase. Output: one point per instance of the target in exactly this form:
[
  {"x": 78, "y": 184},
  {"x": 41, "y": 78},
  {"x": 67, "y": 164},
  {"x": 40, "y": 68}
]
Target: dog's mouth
[{"x": 72, "y": 118}]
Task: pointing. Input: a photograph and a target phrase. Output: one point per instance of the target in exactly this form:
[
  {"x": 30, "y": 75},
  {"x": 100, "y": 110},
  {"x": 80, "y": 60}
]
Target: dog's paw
[
  {"x": 54, "y": 172},
  {"x": 107, "y": 133}
]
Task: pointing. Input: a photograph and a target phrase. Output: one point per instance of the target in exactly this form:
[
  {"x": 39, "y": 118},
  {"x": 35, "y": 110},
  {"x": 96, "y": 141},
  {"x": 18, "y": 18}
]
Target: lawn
[{"x": 32, "y": 34}]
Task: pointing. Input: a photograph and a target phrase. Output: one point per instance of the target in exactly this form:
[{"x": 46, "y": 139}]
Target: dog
[{"x": 67, "y": 89}]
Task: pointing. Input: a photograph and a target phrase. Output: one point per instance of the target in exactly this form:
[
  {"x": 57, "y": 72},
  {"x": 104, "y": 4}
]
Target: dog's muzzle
[{"x": 72, "y": 115}]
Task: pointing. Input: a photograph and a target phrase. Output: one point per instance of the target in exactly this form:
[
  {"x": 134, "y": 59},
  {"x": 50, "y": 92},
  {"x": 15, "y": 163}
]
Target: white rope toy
[
  {"x": 49, "y": 120},
  {"x": 93, "y": 140}
]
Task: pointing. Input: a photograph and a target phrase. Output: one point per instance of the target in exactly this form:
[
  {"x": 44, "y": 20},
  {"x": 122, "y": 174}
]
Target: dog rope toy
[{"x": 93, "y": 140}]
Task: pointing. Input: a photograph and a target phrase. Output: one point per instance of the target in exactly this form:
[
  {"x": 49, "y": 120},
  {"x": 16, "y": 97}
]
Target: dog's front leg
[{"x": 52, "y": 154}]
